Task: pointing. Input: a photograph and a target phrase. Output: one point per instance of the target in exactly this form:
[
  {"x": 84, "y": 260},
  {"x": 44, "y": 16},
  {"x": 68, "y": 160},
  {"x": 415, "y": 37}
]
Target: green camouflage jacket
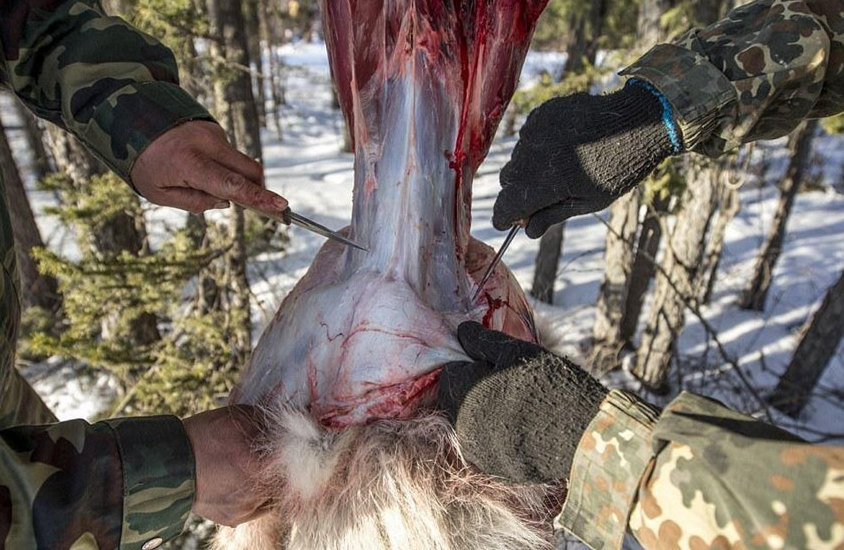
[
  {"x": 756, "y": 74},
  {"x": 701, "y": 476},
  {"x": 123, "y": 483}
]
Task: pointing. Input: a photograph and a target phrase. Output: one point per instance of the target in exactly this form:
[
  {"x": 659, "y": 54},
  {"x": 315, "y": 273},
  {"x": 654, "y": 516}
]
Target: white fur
[{"x": 389, "y": 485}]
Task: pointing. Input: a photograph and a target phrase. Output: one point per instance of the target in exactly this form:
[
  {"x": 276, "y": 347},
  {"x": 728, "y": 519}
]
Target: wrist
[
  {"x": 667, "y": 115},
  {"x": 633, "y": 139},
  {"x": 122, "y": 126}
]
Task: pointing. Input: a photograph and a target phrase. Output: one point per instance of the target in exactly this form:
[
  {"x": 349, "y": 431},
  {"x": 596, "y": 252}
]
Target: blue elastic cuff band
[{"x": 667, "y": 114}]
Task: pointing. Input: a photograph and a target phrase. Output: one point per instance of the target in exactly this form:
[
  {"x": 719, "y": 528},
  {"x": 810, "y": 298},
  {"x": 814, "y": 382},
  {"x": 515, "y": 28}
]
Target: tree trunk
[
  {"x": 253, "y": 26},
  {"x": 627, "y": 274},
  {"x": 347, "y": 135},
  {"x": 123, "y": 232},
  {"x": 72, "y": 158},
  {"x": 612, "y": 297},
  {"x": 644, "y": 267},
  {"x": 547, "y": 260},
  {"x": 233, "y": 87},
  {"x": 683, "y": 256},
  {"x": 37, "y": 290},
  {"x": 274, "y": 71},
  {"x": 42, "y": 163},
  {"x": 800, "y": 145},
  {"x": 236, "y": 111},
  {"x": 510, "y": 120},
  {"x": 585, "y": 27},
  {"x": 650, "y": 30},
  {"x": 819, "y": 342},
  {"x": 727, "y": 209}
]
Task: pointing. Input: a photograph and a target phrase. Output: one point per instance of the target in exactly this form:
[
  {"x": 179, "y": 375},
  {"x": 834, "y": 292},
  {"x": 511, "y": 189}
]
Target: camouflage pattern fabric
[
  {"x": 705, "y": 477},
  {"x": 123, "y": 483},
  {"x": 112, "y": 86},
  {"x": 611, "y": 457},
  {"x": 756, "y": 74}
]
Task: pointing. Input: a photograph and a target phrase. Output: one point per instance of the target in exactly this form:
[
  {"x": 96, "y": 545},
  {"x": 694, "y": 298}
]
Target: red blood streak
[{"x": 494, "y": 304}]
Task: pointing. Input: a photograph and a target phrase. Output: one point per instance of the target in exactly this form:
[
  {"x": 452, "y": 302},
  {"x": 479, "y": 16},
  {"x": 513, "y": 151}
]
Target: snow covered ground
[{"x": 308, "y": 168}]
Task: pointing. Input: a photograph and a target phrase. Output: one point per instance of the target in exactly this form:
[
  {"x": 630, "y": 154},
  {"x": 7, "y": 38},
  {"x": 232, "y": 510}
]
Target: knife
[
  {"x": 288, "y": 217},
  {"x": 497, "y": 259}
]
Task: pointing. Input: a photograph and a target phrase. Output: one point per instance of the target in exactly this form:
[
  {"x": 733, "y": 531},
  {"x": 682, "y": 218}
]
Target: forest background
[{"x": 724, "y": 277}]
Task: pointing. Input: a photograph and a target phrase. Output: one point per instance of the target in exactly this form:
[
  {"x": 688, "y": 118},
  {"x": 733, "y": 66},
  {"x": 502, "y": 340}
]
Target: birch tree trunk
[
  {"x": 800, "y": 145},
  {"x": 612, "y": 297},
  {"x": 681, "y": 263},
  {"x": 820, "y": 339},
  {"x": 37, "y": 290}
]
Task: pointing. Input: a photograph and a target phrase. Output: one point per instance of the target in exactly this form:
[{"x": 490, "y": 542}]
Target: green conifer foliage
[{"x": 188, "y": 366}]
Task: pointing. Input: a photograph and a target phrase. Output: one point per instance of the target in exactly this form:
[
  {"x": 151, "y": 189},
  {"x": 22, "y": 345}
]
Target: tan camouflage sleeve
[
  {"x": 756, "y": 74},
  {"x": 109, "y": 84},
  {"x": 705, "y": 477}
]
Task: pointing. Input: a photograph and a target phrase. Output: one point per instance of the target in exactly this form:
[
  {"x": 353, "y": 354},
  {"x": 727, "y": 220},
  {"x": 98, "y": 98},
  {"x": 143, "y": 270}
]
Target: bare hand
[
  {"x": 193, "y": 167},
  {"x": 222, "y": 442}
]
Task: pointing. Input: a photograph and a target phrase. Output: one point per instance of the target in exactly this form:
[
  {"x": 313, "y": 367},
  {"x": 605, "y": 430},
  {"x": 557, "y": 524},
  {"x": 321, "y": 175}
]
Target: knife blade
[
  {"x": 497, "y": 259},
  {"x": 288, "y": 217},
  {"x": 319, "y": 229}
]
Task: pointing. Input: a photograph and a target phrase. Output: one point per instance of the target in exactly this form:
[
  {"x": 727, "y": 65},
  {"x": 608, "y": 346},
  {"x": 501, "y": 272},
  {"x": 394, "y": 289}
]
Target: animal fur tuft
[{"x": 388, "y": 485}]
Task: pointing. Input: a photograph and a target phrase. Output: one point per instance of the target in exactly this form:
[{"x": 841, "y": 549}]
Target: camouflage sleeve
[
  {"x": 124, "y": 483},
  {"x": 112, "y": 86},
  {"x": 756, "y": 74},
  {"x": 705, "y": 477}
]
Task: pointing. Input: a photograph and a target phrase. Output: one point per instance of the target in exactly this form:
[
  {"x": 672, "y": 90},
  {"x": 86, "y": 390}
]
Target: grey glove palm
[{"x": 519, "y": 410}]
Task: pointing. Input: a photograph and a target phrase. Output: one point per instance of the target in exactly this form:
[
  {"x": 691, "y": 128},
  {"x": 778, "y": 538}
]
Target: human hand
[
  {"x": 193, "y": 167},
  {"x": 222, "y": 441},
  {"x": 577, "y": 154},
  {"x": 519, "y": 410}
]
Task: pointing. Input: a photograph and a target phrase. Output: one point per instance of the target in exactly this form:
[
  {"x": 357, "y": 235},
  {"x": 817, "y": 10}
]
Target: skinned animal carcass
[{"x": 350, "y": 362}]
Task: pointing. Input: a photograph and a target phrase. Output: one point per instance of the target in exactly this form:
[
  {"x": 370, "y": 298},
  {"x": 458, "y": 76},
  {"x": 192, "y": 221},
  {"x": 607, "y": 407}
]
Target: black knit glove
[
  {"x": 579, "y": 153},
  {"x": 519, "y": 410}
]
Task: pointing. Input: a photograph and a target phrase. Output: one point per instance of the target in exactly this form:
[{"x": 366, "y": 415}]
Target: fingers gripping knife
[{"x": 500, "y": 254}]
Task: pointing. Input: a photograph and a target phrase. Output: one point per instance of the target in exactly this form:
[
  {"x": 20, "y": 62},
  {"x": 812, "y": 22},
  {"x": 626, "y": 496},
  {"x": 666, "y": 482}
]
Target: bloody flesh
[{"x": 423, "y": 85}]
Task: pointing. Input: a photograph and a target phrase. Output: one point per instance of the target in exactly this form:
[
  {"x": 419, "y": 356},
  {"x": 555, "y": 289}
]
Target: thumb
[
  {"x": 560, "y": 212},
  {"x": 502, "y": 350},
  {"x": 456, "y": 380}
]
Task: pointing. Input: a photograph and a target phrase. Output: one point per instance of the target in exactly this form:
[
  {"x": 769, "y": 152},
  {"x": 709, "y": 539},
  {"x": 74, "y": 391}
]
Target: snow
[{"x": 309, "y": 169}]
